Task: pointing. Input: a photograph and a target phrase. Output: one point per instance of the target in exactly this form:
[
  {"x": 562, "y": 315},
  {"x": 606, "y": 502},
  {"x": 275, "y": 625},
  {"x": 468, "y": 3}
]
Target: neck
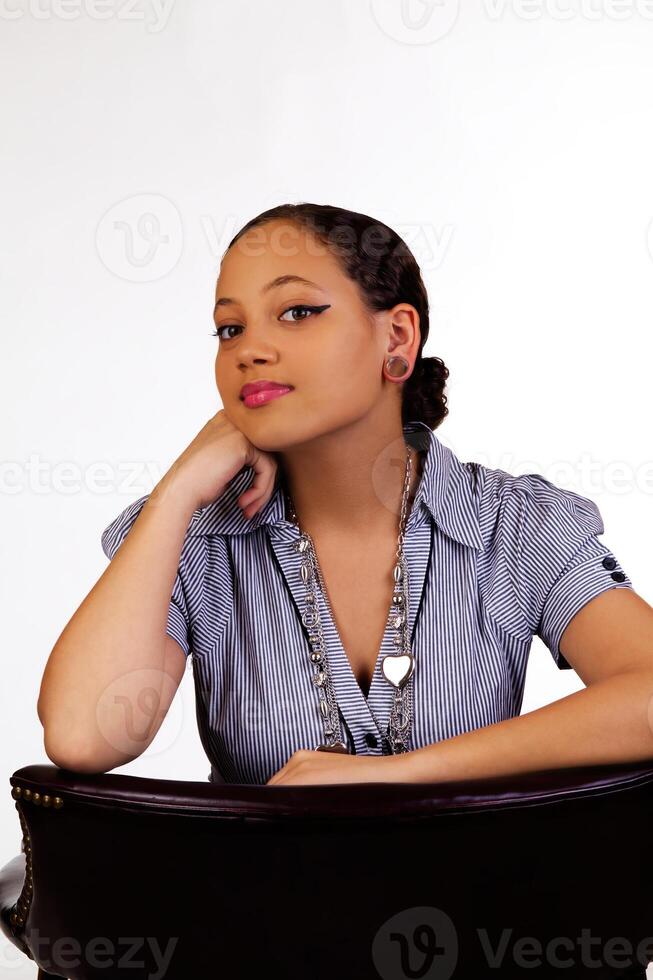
[{"x": 351, "y": 481}]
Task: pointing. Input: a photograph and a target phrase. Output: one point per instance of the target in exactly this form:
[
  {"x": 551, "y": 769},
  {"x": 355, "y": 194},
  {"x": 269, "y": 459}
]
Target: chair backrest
[{"x": 546, "y": 874}]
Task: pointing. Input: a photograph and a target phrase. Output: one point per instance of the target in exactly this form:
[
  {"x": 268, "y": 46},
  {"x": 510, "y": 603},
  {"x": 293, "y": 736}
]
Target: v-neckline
[
  {"x": 381, "y": 692},
  {"x": 359, "y": 711},
  {"x": 328, "y": 619}
]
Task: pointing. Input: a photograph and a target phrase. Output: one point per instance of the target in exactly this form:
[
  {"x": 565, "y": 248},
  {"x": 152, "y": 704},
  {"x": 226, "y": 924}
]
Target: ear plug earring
[{"x": 394, "y": 368}]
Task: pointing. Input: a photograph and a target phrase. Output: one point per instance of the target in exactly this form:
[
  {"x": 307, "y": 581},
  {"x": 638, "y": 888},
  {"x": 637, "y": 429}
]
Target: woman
[{"x": 344, "y": 583}]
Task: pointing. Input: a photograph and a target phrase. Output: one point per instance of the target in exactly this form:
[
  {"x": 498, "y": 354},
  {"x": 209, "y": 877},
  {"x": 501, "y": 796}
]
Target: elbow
[
  {"x": 72, "y": 757},
  {"x": 64, "y": 747},
  {"x": 39, "y": 711}
]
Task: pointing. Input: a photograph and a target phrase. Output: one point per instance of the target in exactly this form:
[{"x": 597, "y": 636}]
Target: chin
[
  {"x": 269, "y": 437},
  {"x": 275, "y": 436}
]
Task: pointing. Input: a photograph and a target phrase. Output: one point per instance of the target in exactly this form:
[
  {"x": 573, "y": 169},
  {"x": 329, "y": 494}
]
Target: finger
[
  {"x": 261, "y": 486},
  {"x": 253, "y": 499}
]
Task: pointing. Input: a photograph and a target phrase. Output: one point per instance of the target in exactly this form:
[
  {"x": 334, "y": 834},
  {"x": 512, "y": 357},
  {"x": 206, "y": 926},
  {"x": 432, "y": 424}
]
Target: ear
[{"x": 402, "y": 331}]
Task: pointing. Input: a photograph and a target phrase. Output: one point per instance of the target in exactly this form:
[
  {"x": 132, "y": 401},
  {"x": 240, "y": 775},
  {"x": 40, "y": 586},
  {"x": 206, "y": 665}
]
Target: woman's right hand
[{"x": 216, "y": 454}]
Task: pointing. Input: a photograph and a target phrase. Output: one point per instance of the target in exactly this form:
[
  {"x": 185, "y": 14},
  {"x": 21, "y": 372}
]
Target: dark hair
[{"x": 379, "y": 261}]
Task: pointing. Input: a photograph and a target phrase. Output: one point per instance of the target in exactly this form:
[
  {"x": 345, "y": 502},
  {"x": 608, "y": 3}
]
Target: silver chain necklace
[{"x": 397, "y": 668}]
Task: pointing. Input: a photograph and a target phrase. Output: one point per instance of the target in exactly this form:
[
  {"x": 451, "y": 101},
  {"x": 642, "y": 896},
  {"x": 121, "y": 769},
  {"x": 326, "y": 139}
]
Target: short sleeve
[
  {"x": 178, "y": 626},
  {"x": 560, "y": 563}
]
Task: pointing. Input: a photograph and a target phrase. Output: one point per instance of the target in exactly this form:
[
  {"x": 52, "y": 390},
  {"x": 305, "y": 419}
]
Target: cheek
[
  {"x": 219, "y": 371},
  {"x": 352, "y": 360},
  {"x": 224, "y": 384},
  {"x": 345, "y": 380}
]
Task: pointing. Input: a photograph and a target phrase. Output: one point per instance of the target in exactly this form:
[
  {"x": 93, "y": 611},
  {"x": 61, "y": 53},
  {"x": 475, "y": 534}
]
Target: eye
[
  {"x": 298, "y": 306},
  {"x": 226, "y": 326},
  {"x": 302, "y": 306}
]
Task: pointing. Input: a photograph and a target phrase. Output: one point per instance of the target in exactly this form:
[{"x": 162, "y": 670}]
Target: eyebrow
[{"x": 274, "y": 284}]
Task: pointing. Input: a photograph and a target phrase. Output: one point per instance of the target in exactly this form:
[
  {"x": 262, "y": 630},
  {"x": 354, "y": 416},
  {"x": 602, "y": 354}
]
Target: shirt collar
[{"x": 447, "y": 489}]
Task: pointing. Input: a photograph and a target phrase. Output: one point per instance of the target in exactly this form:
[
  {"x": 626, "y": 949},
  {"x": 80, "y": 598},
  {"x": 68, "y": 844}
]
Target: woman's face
[{"x": 317, "y": 338}]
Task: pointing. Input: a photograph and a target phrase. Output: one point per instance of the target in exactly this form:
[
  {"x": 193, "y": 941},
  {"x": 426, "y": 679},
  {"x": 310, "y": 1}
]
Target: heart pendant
[{"x": 397, "y": 670}]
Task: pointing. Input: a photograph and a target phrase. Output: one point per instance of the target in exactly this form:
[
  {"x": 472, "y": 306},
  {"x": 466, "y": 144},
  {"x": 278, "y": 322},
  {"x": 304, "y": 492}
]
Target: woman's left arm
[{"x": 609, "y": 642}]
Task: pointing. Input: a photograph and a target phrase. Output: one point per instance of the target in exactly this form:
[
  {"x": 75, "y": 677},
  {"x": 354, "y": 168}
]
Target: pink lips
[{"x": 265, "y": 395}]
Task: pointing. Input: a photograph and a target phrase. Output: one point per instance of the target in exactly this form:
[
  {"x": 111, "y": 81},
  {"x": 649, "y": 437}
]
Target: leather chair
[{"x": 392, "y": 880}]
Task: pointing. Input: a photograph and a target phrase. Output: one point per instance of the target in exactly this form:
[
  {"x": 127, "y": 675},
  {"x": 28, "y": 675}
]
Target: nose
[
  {"x": 255, "y": 359},
  {"x": 255, "y": 349}
]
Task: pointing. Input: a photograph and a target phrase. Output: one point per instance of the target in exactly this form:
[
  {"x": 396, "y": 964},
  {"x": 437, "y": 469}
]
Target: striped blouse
[{"x": 493, "y": 560}]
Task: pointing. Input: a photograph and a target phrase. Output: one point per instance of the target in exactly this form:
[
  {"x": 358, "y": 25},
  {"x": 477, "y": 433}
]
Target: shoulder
[
  {"x": 529, "y": 510},
  {"x": 533, "y": 530},
  {"x": 119, "y": 527}
]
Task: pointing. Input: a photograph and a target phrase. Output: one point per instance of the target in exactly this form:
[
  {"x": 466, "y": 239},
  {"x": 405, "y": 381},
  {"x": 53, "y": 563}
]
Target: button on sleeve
[
  {"x": 178, "y": 625},
  {"x": 561, "y": 564}
]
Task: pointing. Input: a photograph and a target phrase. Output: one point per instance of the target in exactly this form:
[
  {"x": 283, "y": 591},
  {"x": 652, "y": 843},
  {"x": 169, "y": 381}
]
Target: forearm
[
  {"x": 609, "y": 721},
  {"x": 106, "y": 668}
]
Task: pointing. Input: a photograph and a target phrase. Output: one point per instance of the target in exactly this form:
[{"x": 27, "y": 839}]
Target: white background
[{"x": 510, "y": 143}]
